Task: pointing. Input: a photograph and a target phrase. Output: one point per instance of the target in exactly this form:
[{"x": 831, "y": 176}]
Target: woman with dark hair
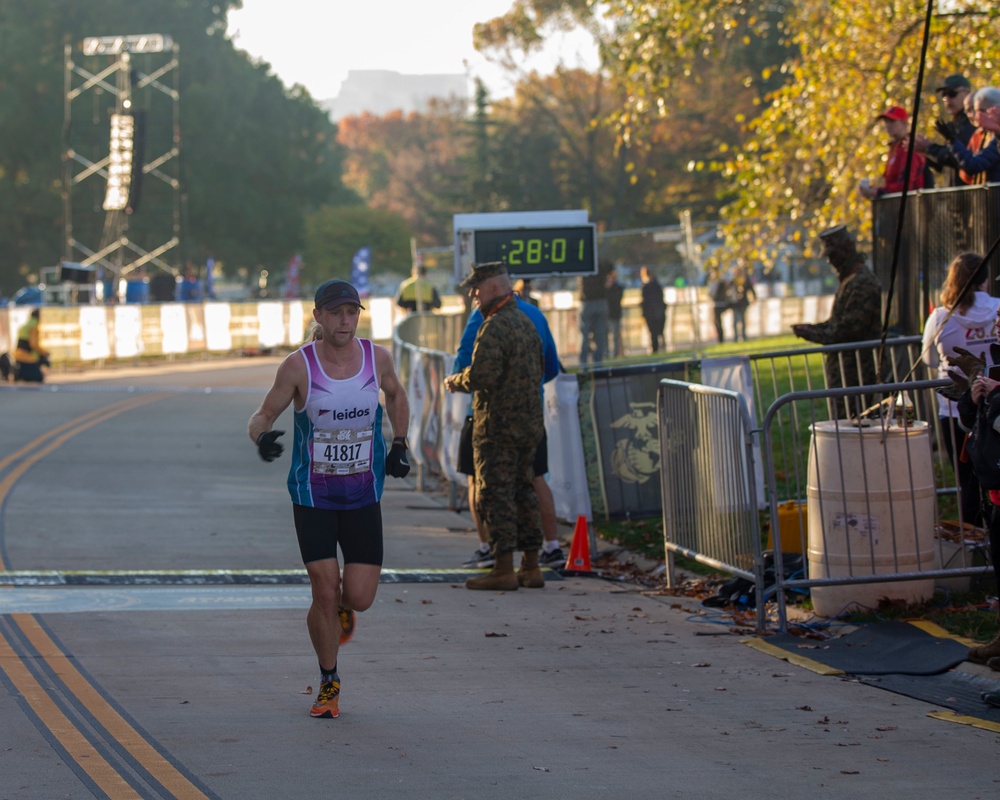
[{"x": 966, "y": 318}]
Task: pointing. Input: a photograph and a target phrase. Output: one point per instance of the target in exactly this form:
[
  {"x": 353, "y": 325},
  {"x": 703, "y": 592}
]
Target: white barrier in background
[{"x": 96, "y": 333}]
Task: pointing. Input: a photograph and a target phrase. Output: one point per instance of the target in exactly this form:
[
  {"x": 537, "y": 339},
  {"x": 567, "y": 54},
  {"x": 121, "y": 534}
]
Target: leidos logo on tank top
[{"x": 354, "y": 413}]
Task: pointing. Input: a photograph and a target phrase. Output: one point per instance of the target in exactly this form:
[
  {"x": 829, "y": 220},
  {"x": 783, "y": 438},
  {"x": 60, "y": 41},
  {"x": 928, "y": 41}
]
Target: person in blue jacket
[{"x": 551, "y": 554}]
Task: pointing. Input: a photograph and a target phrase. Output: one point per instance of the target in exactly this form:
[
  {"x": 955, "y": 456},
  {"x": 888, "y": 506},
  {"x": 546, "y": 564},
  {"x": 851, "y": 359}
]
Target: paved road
[{"x": 156, "y": 686}]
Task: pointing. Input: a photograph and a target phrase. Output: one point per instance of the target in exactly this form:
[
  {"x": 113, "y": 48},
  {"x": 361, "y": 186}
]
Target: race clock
[{"x": 529, "y": 252}]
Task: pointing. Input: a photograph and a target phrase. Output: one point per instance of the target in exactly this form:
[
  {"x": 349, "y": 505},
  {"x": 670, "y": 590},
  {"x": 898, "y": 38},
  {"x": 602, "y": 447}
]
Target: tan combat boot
[
  {"x": 501, "y": 578},
  {"x": 529, "y": 575},
  {"x": 985, "y": 652}
]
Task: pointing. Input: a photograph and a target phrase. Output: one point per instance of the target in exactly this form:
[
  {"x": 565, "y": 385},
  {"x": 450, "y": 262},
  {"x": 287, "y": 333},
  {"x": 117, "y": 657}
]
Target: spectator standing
[
  {"x": 505, "y": 374},
  {"x": 418, "y": 292},
  {"x": 896, "y": 123},
  {"x": 720, "y": 295},
  {"x": 982, "y": 398},
  {"x": 742, "y": 294},
  {"x": 654, "y": 309},
  {"x": 551, "y": 551},
  {"x": 523, "y": 290},
  {"x": 855, "y": 317},
  {"x": 965, "y": 319},
  {"x": 953, "y": 93},
  {"x": 594, "y": 315},
  {"x": 615, "y": 292},
  {"x": 990, "y": 121},
  {"x": 30, "y": 356},
  {"x": 980, "y": 160}
]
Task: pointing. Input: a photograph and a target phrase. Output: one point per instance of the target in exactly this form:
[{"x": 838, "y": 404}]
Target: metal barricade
[
  {"x": 870, "y": 513},
  {"x": 707, "y": 479}
]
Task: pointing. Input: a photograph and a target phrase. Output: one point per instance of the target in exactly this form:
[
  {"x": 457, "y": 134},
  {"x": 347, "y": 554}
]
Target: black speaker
[
  {"x": 162, "y": 288},
  {"x": 75, "y": 273}
]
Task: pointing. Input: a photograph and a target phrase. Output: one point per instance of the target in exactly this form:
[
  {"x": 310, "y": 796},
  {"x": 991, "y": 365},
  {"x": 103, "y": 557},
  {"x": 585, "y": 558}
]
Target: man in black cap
[
  {"x": 856, "y": 316},
  {"x": 507, "y": 426},
  {"x": 339, "y": 464},
  {"x": 952, "y": 93}
]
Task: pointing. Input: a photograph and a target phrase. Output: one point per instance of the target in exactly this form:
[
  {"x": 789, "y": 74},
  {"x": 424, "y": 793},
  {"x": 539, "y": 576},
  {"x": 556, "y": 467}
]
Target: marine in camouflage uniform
[
  {"x": 507, "y": 423},
  {"x": 856, "y": 316}
]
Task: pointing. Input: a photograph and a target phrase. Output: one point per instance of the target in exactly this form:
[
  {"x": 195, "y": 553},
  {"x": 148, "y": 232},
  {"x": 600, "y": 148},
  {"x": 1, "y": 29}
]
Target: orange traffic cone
[{"x": 579, "y": 551}]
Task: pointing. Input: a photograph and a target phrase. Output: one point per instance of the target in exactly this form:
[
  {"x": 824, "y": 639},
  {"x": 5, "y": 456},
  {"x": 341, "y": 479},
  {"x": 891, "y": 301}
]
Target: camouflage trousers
[
  {"x": 505, "y": 499},
  {"x": 851, "y": 368}
]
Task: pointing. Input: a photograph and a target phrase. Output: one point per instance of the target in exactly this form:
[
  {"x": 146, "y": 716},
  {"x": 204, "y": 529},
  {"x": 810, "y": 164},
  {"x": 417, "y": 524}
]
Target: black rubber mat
[
  {"x": 958, "y": 691},
  {"x": 882, "y": 648}
]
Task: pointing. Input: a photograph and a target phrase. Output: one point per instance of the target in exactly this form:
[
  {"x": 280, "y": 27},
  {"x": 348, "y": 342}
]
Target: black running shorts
[{"x": 358, "y": 532}]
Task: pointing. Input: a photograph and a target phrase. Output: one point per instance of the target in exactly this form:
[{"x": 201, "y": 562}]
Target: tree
[
  {"x": 656, "y": 129},
  {"x": 817, "y": 135},
  {"x": 410, "y": 164},
  {"x": 334, "y": 235},
  {"x": 819, "y": 71},
  {"x": 257, "y": 157}
]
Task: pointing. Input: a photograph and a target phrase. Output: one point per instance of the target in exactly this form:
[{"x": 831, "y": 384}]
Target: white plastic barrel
[{"x": 871, "y": 510}]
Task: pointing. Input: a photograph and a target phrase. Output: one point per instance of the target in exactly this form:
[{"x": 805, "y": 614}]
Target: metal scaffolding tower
[{"x": 122, "y": 142}]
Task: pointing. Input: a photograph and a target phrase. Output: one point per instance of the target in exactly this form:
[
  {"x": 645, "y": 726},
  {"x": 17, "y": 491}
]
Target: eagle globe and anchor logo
[{"x": 636, "y": 458}]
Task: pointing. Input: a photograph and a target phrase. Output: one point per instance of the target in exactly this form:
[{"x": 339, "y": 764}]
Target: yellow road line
[
  {"x": 143, "y": 752},
  {"x": 6, "y": 462},
  {"x": 34, "y": 451},
  {"x": 76, "y": 744},
  {"x": 69, "y": 736}
]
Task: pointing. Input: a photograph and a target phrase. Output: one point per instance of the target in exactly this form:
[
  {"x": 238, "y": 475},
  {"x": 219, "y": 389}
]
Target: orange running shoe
[
  {"x": 327, "y": 705},
  {"x": 348, "y": 620}
]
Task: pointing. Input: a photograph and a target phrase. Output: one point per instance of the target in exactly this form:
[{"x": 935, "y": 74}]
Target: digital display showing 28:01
[{"x": 566, "y": 250}]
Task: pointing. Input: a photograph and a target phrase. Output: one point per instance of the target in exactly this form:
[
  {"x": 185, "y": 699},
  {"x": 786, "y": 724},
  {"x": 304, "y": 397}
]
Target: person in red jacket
[{"x": 896, "y": 122}]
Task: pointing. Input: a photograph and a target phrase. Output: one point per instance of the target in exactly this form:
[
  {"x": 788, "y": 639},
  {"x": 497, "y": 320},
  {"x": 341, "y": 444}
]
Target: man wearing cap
[
  {"x": 979, "y": 162},
  {"x": 952, "y": 92},
  {"x": 507, "y": 425},
  {"x": 551, "y": 552},
  {"x": 339, "y": 464},
  {"x": 896, "y": 123},
  {"x": 855, "y": 317}
]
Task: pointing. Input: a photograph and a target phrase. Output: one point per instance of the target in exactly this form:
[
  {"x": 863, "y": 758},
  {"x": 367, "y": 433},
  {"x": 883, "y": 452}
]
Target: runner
[{"x": 339, "y": 464}]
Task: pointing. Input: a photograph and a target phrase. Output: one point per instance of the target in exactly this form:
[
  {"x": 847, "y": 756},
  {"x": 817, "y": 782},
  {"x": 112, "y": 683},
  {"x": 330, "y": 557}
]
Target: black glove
[
  {"x": 396, "y": 464},
  {"x": 268, "y": 446},
  {"x": 946, "y": 129}
]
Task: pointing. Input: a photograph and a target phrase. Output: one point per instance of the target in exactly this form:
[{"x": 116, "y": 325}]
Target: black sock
[{"x": 327, "y": 675}]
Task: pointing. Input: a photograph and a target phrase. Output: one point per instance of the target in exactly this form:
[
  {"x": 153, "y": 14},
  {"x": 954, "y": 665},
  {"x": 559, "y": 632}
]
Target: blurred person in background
[
  {"x": 522, "y": 287},
  {"x": 418, "y": 292},
  {"x": 30, "y": 356},
  {"x": 965, "y": 319},
  {"x": 654, "y": 308},
  {"x": 741, "y": 294},
  {"x": 594, "y": 315},
  {"x": 896, "y": 121},
  {"x": 980, "y": 160},
  {"x": 954, "y": 93},
  {"x": 615, "y": 292}
]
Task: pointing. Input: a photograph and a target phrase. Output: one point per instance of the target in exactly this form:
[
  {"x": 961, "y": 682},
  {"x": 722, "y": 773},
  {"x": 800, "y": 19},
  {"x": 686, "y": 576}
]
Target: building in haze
[{"x": 380, "y": 91}]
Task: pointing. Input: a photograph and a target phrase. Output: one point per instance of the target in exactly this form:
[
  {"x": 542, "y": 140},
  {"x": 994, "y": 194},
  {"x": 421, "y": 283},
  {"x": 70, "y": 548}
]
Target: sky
[{"x": 316, "y": 42}]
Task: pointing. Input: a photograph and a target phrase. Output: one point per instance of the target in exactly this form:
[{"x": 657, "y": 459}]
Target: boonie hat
[
  {"x": 894, "y": 113},
  {"x": 837, "y": 236},
  {"x": 482, "y": 272},
  {"x": 954, "y": 82},
  {"x": 336, "y": 293}
]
